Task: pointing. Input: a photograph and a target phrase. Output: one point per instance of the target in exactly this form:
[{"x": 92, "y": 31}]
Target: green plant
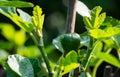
[{"x": 101, "y": 35}]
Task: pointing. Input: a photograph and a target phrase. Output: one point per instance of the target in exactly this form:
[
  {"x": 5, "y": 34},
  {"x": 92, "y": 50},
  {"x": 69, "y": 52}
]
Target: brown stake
[{"x": 71, "y": 16}]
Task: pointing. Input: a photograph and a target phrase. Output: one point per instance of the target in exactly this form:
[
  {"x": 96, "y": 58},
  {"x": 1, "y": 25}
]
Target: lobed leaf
[
  {"x": 95, "y": 16},
  {"x": 96, "y": 19},
  {"x": 106, "y": 33}
]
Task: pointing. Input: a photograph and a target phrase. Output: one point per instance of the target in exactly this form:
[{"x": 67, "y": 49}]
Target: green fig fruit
[{"x": 70, "y": 41}]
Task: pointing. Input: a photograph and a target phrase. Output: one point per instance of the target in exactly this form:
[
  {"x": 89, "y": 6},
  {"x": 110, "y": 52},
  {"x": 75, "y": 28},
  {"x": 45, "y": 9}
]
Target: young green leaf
[
  {"x": 87, "y": 22},
  {"x": 109, "y": 43},
  {"x": 70, "y": 62},
  {"x": 106, "y": 33},
  {"x": 38, "y": 18},
  {"x": 110, "y": 21},
  {"x": 15, "y": 4},
  {"x": 26, "y": 25},
  {"x": 109, "y": 59},
  {"x": 20, "y": 65},
  {"x": 96, "y": 18},
  {"x": 22, "y": 21}
]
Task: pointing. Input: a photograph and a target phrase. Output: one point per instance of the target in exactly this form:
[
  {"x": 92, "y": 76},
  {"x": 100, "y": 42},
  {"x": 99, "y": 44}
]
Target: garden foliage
[{"x": 79, "y": 51}]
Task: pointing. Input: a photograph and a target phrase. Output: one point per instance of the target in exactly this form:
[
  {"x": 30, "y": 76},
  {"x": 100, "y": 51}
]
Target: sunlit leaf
[
  {"x": 109, "y": 59},
  {"x": 96, "y": 19},
  {"x": 107, "y": 32},
  {"x": 100, "y": 20},
  {"x": 19, "y": 20},
  {"x": 6, "y": 11},
  {"x": 20, "y": 65},
  {"x": 26, "y": 25},
  {"x": 25, "y": 16},
  {"x": 82, "y": 9},
  {"x": 87, "y": 22},
  {"x": 70, "y": 62},
  {"x": 38, "y": 18},
  {"x": 15, "y": 4},
  {"x": 109, "y": 43}
]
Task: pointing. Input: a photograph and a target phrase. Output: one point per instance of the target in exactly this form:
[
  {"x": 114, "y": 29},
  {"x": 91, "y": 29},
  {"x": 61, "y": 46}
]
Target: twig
[
  {"x": 71, "y": 16},
  {"x": 39, "y": 43}
]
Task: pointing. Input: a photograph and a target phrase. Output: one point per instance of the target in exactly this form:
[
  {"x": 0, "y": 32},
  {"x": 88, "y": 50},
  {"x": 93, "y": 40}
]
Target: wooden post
[{"x": 71, "y": 16}]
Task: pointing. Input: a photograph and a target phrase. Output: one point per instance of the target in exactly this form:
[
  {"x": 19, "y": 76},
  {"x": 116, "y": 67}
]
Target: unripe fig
[{"x": 70, "y": 41}]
